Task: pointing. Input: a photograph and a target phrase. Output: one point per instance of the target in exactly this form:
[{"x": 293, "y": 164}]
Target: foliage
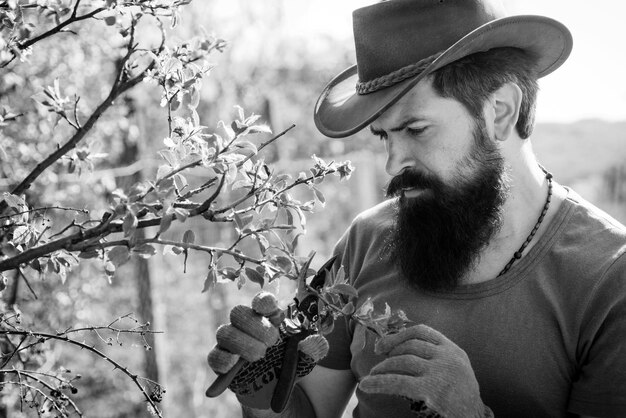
[
  {"x": 219, "y": 177},
  {"x": 338, "y": 298}
]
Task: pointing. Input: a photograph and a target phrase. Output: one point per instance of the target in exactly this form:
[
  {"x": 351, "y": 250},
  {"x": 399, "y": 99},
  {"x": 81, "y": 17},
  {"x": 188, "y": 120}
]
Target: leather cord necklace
[{"x": 518, "y": 253}]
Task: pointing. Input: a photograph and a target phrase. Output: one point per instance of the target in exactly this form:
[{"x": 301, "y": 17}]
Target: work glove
[
  {"x": 256, "y": 335},
  {"x": 428, "y": 369}
]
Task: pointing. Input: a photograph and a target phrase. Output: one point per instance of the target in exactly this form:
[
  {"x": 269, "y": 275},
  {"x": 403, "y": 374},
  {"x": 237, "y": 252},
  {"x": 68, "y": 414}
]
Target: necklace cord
[{"x": 518, "y": 254}]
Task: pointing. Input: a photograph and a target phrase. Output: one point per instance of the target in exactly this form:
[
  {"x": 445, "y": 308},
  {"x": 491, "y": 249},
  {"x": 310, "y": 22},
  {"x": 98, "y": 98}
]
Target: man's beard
[{"x": 438, "y": 236}]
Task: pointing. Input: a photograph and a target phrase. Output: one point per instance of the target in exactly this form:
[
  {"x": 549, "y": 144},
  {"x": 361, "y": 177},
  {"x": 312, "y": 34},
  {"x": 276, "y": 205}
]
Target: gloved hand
[
  {"x": 428, "y": 369},
  {"x": 255, "y": 335}
]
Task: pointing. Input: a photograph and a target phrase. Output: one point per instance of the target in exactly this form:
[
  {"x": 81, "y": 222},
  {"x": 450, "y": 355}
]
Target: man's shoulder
[
  {"x": 589, "y": 218},
  {"x": 377, "y": 217},
  {"x": 590, "y": 239}
]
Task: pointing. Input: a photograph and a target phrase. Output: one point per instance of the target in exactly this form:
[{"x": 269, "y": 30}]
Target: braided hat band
[
  {"x": 399, "y": 42},
  {"x": 395, "y": 77}
]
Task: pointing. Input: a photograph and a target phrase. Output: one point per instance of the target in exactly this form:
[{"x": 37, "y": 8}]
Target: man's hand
[
  {"x": 430, "y": 370},
  {"x": 254, "y": 335}
]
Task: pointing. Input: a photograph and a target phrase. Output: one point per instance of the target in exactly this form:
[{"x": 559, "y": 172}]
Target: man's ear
[{"x": 506, "y": 103}]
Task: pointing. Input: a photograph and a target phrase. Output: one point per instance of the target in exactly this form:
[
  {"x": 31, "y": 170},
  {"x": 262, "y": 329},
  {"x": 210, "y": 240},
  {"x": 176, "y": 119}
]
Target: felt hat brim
[{"x": 340, "y": 111}]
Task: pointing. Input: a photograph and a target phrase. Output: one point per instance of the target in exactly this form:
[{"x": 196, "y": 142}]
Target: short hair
[{"x": 472, "y": 79}]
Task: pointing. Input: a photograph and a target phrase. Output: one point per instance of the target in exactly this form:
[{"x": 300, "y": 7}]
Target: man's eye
[{"x": 415, "y": 131}]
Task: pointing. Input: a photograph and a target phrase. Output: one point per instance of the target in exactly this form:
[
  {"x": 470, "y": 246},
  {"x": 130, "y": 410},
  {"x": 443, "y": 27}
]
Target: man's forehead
[
  {"x": 416, "y": 105},
  {"x": 421, "y": 103}
]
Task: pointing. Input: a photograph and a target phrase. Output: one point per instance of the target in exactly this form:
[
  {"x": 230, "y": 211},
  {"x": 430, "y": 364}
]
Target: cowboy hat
[{"x": 399, "y": 42}]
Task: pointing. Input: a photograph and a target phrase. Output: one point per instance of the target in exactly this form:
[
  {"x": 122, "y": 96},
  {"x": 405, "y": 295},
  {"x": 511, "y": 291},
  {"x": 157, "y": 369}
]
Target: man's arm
[{"x": 324, "y": 393}]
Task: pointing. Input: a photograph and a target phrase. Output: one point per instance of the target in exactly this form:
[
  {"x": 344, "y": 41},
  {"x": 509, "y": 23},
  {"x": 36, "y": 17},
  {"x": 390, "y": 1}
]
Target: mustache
[{"x": 409, "y": 179}]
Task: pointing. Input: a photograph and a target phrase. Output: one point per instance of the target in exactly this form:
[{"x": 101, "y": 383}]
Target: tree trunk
[{"x": 140, "y": 266}]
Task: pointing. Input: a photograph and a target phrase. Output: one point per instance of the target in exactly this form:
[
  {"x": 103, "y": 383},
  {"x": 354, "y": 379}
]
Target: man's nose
[{"x": 399, "y": 156}]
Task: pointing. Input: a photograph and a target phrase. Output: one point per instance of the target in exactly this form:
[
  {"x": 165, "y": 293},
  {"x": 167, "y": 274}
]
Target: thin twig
[
  {"x": 73, "y": 18},
  {"x": 27, "y": 283},
  {"x": 32, "y": 375},
  {"x": 120, "y": 85},
  {"x": 116, "y": 366},
  {"x": 85, "y": 211},
  {"x": 266, "y": 143},
  {"x": 190, "y": 246}
]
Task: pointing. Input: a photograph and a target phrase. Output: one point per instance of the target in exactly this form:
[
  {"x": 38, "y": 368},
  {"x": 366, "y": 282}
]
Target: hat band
[{"x": 394, "y": 77}]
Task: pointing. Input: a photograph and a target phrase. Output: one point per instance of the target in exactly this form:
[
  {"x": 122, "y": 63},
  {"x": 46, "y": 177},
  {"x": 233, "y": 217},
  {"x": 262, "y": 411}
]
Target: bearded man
[{"x": 517, "y": 284}]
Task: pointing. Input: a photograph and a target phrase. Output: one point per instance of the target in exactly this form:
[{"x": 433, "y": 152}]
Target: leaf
[
  {"x": 260, "y": 129},
  {"x": 255, "y": 276},
  {"x": 231, "y": 175},
  {"x": 172, "y": 249},
  {"x": 240, "y": 184},
  {"x": 301, "y": 216},
  {"x": 241, "y": 280},
  {"x": 53, "y": 265},
  {"x": 348, "y": 309},
  {"x": 247, "y": 145},
  {"x": 20, "y": 234},
  {"x": 284, "y": 263},
  {"x": 339, "y": 277},
  {"x": 210, "y": 281},
  {"x": 194, "y": 98},
  {"x": 365, "y": 309},
  {"x": 229, "y": 273},
  {"x": 291, "y": 245},
  {"x": 166, "y": 222},
  {"x": 397, "y": 322},
  {"x": 252, "y": 119},
  {"x": 240, "y": 112},
  {"x": 163, "y": 170},
  {"x": 289, "y": 217},
  {"x": 320, "y": 196},
  {"x": 181, "y": 214},
  {"x": 344, "y": 289},
  {"x": 89, "y": 254},
  {"x": 145, "y": 250},
  {"x": 189, "y": 237},
  {"x": 175, "y": 102},
  {"x": 308, "y": 206},
  {"x": 14, "y": 202},
  {"x": 109, "y": 269},
  {"x": 264, "y": 244},
  {"x": 130, "y": 224},
  {"x": 118, "y": 255},
  {"x": 180, "y": 181}
]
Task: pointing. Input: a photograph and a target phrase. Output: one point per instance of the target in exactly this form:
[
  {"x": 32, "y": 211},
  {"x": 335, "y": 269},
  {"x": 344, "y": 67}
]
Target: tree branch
[
  {"x": 135, "y": 378},
  {"x": 73, "y": 18},
  {"x": 32, "y": 375},
  {"x": 119, "y": 86}
]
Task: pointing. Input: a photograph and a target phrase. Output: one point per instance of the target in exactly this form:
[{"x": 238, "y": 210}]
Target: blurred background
[{"x": 280, "y": 55}]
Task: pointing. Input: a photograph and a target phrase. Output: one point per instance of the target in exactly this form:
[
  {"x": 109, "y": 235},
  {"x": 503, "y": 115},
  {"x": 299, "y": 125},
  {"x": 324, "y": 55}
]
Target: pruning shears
[{"x": 303, "y": 317}]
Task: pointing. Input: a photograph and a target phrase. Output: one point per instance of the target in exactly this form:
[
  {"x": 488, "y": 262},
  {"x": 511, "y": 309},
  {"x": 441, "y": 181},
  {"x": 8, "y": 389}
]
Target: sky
[{"x": 590, "y": 85}]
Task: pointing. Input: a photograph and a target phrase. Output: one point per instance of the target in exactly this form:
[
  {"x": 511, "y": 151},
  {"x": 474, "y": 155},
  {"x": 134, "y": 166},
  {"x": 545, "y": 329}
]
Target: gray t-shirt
[{"x": 546, "y": 339}]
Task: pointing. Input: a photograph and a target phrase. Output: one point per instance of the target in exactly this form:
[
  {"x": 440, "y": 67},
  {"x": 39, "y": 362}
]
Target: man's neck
[{"x": 520, "y": 213}]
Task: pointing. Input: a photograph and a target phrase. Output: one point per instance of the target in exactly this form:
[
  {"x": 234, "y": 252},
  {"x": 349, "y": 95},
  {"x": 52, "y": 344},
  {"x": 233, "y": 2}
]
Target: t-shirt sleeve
[
  {"x": 339, "y": 340},
  {"x": 600, "y": 387}
]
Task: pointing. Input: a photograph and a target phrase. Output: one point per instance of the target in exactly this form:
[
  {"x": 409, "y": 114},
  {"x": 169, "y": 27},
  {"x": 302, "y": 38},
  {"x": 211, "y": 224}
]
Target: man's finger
[
  {"x": 395, "y": 385},
  {"x": 419, "y": 332},
  {"x": 419, "y": 348},
  {"x": 265, "y": 303},
  {"x": 233, "y": 340},
  {"x": 248, "y": 321},
  {"x": 405, "y": 365},
  {"x": 221, "y": 361}
]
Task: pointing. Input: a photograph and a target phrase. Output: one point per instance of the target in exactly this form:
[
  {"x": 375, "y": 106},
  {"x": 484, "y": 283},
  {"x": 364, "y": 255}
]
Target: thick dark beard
[{"x": 439, "y": 235}]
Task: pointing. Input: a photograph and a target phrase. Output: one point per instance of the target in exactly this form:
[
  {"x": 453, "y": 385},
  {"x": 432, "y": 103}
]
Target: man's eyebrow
[{"x": 398, "y": 128}]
